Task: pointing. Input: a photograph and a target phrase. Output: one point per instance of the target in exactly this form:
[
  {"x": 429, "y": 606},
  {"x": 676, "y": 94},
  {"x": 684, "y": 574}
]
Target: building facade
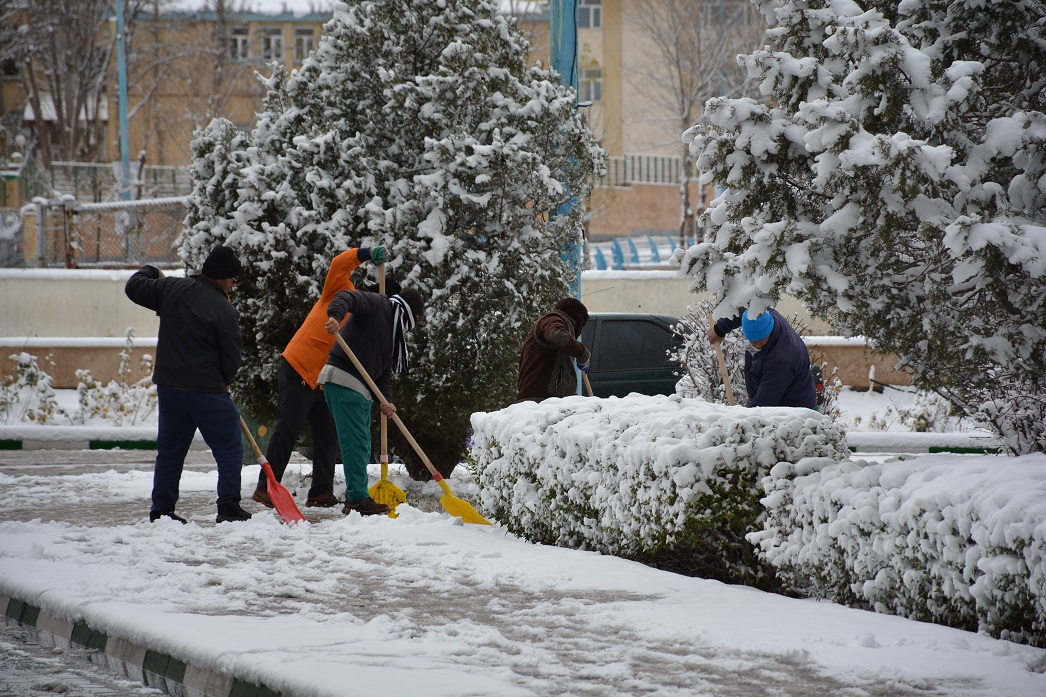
[{"x": 183, "y": 69}]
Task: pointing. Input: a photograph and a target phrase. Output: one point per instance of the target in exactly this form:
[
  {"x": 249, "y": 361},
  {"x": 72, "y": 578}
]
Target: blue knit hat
[{"x": 759, "y": 328}]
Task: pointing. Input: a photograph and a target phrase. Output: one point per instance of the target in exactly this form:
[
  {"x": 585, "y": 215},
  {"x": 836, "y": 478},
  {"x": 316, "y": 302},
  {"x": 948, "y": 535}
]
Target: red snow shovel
[
  {"x": 281, "y": 499},
  {"x": 453, "y": 505}
]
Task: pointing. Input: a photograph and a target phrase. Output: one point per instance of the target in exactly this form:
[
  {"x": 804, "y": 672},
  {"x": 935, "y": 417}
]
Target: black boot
[
  {"x": 154, "y": 516},
  {"x": 367, "y": 506},
  {"x": 231, "y": 512}
]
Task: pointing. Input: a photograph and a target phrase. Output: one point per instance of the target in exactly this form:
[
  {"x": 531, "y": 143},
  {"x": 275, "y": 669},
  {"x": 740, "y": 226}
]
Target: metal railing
[
  {"x": 109, "y": 235},
  {"x": 625, "y": 170}
]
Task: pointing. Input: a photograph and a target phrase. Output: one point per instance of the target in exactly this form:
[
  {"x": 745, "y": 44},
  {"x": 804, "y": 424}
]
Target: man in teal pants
[{"x": 376, "y": 331}]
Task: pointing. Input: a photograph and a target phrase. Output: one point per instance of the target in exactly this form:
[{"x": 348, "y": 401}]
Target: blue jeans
[
  {"x": 218, "y": 419},
  {"x": 351, "y": 412}
]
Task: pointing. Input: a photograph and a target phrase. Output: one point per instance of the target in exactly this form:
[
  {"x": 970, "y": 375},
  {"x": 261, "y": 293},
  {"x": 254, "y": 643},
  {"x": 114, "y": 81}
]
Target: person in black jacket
[
  {"x": 376, "y": 332},
  {"x": 777, "y": 372},
  {"x": 198, "y": 352}
]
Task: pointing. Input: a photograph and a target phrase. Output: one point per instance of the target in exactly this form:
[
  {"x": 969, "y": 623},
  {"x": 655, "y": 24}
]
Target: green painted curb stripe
[
  {"x": 941, "y": 449},
  {"x": 159, "y": 668},
  {"x": 966, "y": 451},
  {"x": 23, "y": 613},
  {"x": 8, "y": 444},
  {"x": 122, "y": 444},
  {"x": 245, "y": 689},
  {"x": 88, "y": 638}
]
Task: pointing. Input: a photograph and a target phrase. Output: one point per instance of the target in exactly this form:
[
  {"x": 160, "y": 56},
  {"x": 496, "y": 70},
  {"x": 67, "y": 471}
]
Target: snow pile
[
  {"x": 960, "y": 542},
  {"x": 637, "y": 475}
]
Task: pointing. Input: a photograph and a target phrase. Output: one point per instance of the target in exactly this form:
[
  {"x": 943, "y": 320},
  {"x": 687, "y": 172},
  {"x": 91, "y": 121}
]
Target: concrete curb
[
  {"x": 123, "y": 657},
  {"x": 918, "y": 442}
]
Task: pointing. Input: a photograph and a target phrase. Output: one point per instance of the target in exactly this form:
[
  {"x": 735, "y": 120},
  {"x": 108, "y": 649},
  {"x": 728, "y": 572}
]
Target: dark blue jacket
[
  {"x": 368, "y": 332},
  {"x": 778, "y": 375}
]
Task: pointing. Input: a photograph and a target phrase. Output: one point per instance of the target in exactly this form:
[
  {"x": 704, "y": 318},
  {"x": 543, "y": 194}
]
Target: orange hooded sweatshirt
[{"x": 308, "y": 349}]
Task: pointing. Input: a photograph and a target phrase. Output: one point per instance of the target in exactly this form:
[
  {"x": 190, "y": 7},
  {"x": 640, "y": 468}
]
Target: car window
[{"x": 633, "y": 345}]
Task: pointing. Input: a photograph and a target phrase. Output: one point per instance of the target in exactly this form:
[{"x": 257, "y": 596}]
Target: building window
[
  {"x": 239, "y": 44},
  {"x": 304, "y": 43},
  {"x": 589, "y": 14},
  {"x": 590, "y": 85},
  {"x": 272, "y": 45}
]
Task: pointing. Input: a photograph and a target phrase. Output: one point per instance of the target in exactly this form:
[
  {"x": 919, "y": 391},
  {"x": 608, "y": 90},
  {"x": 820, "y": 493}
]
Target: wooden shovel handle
[
  {"x": 395, "y": 417},
  {"x": 722, "y": 365},
  {"x": 588, "y": 385},
  {"x": 384, "y": 454},
  {"x": 250, "y": 439}
]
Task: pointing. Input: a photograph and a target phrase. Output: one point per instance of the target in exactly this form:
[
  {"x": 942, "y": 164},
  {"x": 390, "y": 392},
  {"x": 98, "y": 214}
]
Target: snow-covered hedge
[
  {"x": 953, "y": 540},
  {"x": 640, "y": 476}
]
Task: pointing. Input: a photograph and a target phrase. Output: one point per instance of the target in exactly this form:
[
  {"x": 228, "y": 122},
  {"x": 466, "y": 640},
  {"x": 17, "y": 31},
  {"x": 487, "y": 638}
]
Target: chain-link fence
[{"x": 109, "y": 235}]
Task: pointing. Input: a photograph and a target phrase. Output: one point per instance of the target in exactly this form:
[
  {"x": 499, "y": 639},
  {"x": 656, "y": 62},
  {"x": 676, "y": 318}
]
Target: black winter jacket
[
  {"x": 199, "y": 347},
  {"x": 368, "y": 332}
]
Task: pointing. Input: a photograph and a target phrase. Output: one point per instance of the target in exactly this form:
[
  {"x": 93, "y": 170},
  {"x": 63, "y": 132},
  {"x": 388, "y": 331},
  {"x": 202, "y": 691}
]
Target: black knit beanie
[
  {"x": 414, "y": 300},
  {"x": 222, "y": 263}
]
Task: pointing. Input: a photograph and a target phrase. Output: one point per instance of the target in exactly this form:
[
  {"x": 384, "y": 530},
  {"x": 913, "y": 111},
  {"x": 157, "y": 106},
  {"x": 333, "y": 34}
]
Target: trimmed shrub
[
  {"x": 954, "y": 541},
  {"x": 668, "y": 481}
]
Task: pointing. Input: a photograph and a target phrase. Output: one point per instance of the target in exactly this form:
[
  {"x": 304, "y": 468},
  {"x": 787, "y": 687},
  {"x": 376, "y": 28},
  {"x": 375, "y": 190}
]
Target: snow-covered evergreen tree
[
  {"x": 895, "y": 180},
  {"x": 417, "y": 125}
]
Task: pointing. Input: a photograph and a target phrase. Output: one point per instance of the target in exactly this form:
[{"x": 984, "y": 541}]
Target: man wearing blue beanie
[{"x": 777, "y": 370}]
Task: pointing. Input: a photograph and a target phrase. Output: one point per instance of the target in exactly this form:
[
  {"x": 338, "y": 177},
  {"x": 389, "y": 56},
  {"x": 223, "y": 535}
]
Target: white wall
[
  {"x": 75, "y": 303},
  {"x": 662, "y": 292},
  {"x": 70, "y": 303}
]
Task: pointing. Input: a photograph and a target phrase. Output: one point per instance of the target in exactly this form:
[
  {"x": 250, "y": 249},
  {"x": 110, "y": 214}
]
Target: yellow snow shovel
[
  {"x": 453, "y": 505},
  {"x": 384, "y": 491}
]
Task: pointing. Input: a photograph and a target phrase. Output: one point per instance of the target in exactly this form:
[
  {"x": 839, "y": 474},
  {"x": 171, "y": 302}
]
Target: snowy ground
[{"x": 424, "y": 605}]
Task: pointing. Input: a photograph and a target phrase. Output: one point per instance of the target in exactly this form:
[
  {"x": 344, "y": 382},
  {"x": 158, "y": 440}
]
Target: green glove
[{"x": 378, "y": 255}]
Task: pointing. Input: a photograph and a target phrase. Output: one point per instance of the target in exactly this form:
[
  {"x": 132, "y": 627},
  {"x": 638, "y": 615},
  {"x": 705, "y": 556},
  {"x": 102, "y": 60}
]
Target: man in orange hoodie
[{"x": 300, "y": 396}]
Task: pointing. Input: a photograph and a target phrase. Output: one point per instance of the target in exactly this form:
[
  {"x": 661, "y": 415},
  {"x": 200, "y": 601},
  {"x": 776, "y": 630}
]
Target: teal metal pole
[
  {"x": 563, "y": 45},
  {"x": 121, "y": 61}
]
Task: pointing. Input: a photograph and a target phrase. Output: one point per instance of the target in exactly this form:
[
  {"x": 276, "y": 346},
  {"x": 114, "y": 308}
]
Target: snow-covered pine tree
[
  {"x": 417, "y": 125},
  {"x": 895, "y": 180}
]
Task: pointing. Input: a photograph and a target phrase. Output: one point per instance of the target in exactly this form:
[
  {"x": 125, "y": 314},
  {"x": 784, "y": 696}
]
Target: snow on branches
[
  {"x": 418, "y": 126},
  {"x": 894, "y": 179}
]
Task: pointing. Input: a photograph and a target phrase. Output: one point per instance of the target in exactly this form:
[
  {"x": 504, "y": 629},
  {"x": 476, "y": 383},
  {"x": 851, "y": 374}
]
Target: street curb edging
[{"x": 125, "y": 658}]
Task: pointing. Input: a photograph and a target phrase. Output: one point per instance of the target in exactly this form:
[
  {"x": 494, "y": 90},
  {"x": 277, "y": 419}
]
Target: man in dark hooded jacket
[
  {"x": 376, "y": 332},
  {"x": 777, "y": 370},
  {"x": 546, "y": 363},
  {"x": 198, "y": 351}
]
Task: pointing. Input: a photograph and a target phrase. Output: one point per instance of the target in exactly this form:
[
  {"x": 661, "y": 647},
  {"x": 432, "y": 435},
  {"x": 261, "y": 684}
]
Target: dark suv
[{"x": 630, "y": 353}]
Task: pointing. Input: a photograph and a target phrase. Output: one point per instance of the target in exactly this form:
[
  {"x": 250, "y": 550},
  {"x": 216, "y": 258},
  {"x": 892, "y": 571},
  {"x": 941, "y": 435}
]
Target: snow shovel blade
[
  {"x": 384, "y": 491},
  {"x": 458, "y": 507},
  {"x": 281, "y": 499},
  {"x": 453, "y": 505}
]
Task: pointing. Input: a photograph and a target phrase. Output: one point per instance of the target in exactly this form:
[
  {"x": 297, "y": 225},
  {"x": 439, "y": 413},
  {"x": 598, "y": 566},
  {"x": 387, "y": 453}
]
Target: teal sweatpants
[{"x": 351, "y": 412}]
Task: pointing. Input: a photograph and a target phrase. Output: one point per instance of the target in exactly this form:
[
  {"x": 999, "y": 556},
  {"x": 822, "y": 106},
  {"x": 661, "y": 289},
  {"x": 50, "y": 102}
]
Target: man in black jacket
[
  {"x": 376, "y": 332},
  {"x": 198, "y": 352}
]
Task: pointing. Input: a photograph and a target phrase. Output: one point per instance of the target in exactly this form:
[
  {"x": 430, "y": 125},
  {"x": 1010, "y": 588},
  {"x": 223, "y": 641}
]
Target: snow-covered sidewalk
[{"x": 424, "y": 605}]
